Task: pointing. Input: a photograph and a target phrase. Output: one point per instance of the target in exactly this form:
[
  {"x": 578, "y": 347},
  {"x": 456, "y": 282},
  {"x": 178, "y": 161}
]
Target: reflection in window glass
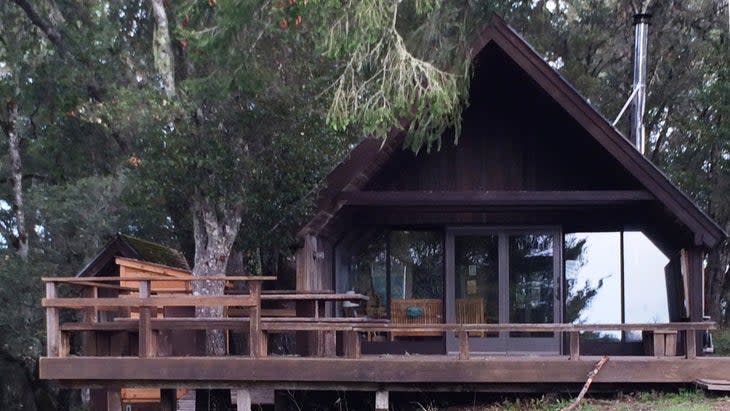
[
  {"x": 416, "y": 265},
  {"x": 477, "y": 279},
  {"x": 531, "y": 281},
  {"x": 361, "y": 268},
  {"x": 644, "y": 270},
  {"x": 593, "y": 277}
]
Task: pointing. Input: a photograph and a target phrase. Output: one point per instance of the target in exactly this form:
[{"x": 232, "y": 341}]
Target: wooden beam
[
  {"x": 492, "y": 198},
  {"x": 380, "y": 370}
]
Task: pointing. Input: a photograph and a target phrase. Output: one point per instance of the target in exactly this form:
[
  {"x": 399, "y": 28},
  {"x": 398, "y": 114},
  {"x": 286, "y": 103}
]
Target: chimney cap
[{"x": 642, "y": 18}]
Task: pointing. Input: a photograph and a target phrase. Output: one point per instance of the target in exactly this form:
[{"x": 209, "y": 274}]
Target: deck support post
[
  {"x": 53, "y": 324},
  {"x": 695, "y": 273},
  {"x": 381, "y": 400},
  {"x": 168, "y": 399},
  {"x": 243, "y": 400},
  {"x": 574, "y": 345},
  {"x": 113, "y": 399}
]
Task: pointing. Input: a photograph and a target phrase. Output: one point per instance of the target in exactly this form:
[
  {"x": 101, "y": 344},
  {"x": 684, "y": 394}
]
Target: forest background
[{"x": 209, "y": 125}]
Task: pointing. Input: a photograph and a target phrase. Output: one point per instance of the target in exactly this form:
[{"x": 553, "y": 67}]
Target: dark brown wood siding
[{"x": 515, "y": 138}]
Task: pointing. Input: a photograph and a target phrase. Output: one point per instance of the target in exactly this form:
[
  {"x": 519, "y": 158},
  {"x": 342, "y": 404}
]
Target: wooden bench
[{"x": 427, "y": 311}]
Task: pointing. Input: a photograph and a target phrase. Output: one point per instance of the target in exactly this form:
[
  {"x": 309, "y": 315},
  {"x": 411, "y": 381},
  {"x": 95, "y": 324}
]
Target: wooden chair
[
  {"x": 427, "y": 310},
  {"x": 470, "y": 310}
]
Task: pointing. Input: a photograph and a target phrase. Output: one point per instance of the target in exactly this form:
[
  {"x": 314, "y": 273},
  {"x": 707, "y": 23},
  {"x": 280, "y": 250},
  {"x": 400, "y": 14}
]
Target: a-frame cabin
[
  {"x": 541, "y": 197},
  {"x": 541, "y": 239}
]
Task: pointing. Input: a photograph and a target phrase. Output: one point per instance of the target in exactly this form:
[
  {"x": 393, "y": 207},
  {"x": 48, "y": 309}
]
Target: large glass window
[
  {"x": 531, "y": 281},
  {"x": 644, "y": 270},
  {"x": 416, "y": 265},
  {"x": 594, "y": 264},
  {"x": 411, "y": 282},
  {"x": 593, "y": 277},
  {"x": 361, "y": 267},
  {"x": 477, "y": 278}
]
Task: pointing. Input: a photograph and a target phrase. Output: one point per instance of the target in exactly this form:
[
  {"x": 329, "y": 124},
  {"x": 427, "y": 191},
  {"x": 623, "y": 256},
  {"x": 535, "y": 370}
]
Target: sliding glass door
[{"x": 504, "y": 276}]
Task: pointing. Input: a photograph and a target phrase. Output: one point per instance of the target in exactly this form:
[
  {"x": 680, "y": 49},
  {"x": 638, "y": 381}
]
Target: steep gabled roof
[
  {"x": 371, "y": 154},
  {"x": 123, "y": 245}
]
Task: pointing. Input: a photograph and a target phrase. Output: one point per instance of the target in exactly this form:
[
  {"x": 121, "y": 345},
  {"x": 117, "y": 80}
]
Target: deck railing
[
  {"x": 352, "y": 330},
  {"x": 146, "y": 304}
]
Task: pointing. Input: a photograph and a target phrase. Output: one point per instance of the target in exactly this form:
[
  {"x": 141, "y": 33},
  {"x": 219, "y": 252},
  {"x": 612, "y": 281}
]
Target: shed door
[{"x": 504, "y": 276}]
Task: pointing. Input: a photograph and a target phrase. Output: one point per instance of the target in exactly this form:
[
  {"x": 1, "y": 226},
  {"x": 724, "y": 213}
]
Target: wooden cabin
[
  {"x": 539, "y": 243},
  {"x": 540, "y": 203}
]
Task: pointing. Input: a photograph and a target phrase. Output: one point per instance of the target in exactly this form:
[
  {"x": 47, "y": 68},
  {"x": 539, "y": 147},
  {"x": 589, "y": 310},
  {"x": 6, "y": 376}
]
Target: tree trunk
[
  {"x": 16, "y": 177},
  {"x": 716, "y": 283},
  {"x": 215, "y": 227},
  {"x": 162, "y": 48}
]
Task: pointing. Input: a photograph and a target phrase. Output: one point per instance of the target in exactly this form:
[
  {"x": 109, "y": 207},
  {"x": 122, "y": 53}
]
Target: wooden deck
[
  {"x": 144, "y": 363},
  {"x": 393, "y": 372}
]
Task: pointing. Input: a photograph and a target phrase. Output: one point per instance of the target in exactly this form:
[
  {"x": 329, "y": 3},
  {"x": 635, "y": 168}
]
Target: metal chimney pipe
[{"x": 638, "y": 133}]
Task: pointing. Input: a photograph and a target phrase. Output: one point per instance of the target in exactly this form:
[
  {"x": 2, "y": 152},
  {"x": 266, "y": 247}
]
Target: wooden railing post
[
  {"x": 256, "y": 343},
  {"x": 690, "y": 343},
  {"x": 574, "y": 337},
  {"x": 53, "y": 326},
  {"x": 146, "y": 348},
  {"x": 463, "y": 345},
  {"x": 351, "y": 343},
  {"x": 90, "y": 315}
]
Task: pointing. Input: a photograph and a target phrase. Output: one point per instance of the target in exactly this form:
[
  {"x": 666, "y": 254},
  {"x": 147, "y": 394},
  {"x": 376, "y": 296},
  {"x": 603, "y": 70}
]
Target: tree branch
[{"x": 52, "y": 33}]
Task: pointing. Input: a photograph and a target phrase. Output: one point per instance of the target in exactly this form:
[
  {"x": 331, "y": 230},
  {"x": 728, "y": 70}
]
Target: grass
[
  {"x": 721, "y": 338},
  {"x": 681, "y": 400},
  {"x": 684, "y": 400}
]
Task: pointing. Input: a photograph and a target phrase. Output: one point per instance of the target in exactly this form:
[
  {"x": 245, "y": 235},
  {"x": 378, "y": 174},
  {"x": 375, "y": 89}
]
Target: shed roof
[
  {"x": 123, "y": 245},
  {"x": 369, "y": 157}
]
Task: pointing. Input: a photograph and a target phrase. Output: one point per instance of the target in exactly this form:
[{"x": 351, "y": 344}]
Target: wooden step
[{"x": 713, "y": 385}]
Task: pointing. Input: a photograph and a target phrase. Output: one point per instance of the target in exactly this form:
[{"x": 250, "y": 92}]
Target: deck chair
[{"x": 470, "y": 310}]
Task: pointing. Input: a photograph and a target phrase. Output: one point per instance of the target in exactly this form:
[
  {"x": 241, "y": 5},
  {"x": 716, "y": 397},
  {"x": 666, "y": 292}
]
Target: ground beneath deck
[{"x": 391, "y": 370}]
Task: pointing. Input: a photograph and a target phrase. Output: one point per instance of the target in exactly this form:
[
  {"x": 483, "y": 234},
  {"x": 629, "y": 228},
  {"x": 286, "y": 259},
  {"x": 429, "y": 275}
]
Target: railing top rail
[
  {"x": 133, "y": 302},
  {"x": 676, "y": 326},
  {"x": 82, "y": 280}
]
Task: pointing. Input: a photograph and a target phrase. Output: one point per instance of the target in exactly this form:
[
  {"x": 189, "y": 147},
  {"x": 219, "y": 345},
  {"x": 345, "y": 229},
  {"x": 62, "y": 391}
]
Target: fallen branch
[{"x": 588, "y": 383}]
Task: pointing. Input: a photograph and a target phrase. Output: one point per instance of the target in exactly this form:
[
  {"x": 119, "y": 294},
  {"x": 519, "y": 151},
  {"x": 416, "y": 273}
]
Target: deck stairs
[{"x": 713, "y": 385}]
